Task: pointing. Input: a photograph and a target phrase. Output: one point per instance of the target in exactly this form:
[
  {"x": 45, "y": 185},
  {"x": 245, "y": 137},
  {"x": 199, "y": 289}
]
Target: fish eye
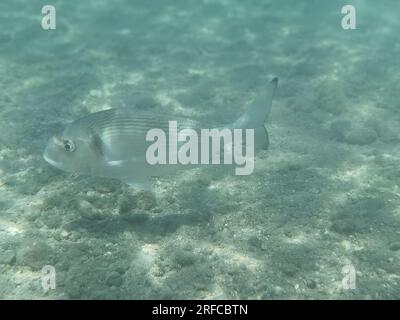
[{"x": 69, "y": 145}]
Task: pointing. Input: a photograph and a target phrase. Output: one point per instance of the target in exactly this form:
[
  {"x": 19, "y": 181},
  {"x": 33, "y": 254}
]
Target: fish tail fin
[{"x": 257, "y": 114}]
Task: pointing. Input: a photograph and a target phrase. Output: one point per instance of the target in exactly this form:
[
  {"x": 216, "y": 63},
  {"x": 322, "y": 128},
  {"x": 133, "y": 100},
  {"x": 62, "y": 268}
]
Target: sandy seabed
[{"x": 324, "y": 196}]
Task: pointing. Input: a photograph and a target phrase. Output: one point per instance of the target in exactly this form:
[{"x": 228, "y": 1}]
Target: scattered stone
[
  {"x": 290, "y": 260},
  {"x": 7, "y": 257},
  {"x": 383, "y": 130},
  {"x": 35, "y": 255},
  {"x": 275, "y": 292},
  {"x": 141, "y": 200},
  {"x": 126, "y": 203},
  {"x": 344, "y": 226},
  {"x": 395, "y": 246},
  {"x": 311, "y": 283},
  {"x": 339, "y": 129},
  {"x": 114, "y": 279},
  {"x": 74, "y": 291},
  {"x": 52, "y": 221},
  {"x": 64, "y": 234},
  {"x": 135, "y": 216},
  {"x": 183, "y": 257},
  {"x": 122, "y": 268},
  {"x": 344, "y": 131},
  {"x": 361, "y": 136},
  {"x": 255, "y": 242},
  {"x": 88, "y": 210},
  {"x": 95, "y": 93},
  {"x": 103, "y": 189}
]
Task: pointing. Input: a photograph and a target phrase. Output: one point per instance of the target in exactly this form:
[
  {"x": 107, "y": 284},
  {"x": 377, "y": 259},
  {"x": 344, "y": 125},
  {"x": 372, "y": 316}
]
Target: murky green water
[{"x": 318, "y": 218}]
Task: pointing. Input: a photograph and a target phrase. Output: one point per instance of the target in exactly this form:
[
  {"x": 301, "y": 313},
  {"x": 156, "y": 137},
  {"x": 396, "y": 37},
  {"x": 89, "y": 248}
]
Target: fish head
[{"x": 72, "y": 150}]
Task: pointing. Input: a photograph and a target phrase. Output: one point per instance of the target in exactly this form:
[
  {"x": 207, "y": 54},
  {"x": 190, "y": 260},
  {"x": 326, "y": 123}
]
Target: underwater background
[{"x": 323, "y": 199}]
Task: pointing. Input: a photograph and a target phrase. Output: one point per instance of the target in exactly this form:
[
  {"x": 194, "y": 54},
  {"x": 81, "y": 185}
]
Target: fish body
[{"x": 112, "y": 143}]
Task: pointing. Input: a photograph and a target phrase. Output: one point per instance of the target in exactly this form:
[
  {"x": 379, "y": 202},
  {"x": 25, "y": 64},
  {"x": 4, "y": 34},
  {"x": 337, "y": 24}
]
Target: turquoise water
[{"x": 324, "y": 197}]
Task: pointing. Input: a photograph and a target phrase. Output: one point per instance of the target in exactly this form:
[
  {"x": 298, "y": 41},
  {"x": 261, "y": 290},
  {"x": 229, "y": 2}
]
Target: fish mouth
[{"x": 52, "y": 162}]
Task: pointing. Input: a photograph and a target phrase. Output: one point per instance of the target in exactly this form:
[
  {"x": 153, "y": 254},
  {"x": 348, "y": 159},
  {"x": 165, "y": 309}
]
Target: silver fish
[{"x": 112, "y": 143}]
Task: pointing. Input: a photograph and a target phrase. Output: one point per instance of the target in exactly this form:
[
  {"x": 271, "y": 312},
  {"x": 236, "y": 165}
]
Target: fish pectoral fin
[{"x": 98, "y": 144}]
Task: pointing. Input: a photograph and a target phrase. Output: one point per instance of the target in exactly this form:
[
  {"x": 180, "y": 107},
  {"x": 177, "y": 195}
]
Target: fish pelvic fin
[{"x": 257, "y": 113}]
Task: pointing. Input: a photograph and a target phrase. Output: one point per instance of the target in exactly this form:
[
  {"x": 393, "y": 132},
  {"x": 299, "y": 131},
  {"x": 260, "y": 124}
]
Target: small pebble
[
  {"x": 64, "y": 234},
  {"x": 114, "y": 279},
  {"x": 395, "y": 246},
  {"x": 361, "y": 136},
  {"x": 88, "y": 210},
  {"x": 7, "y": 257},
  {"x": 311, "y": 284}
]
